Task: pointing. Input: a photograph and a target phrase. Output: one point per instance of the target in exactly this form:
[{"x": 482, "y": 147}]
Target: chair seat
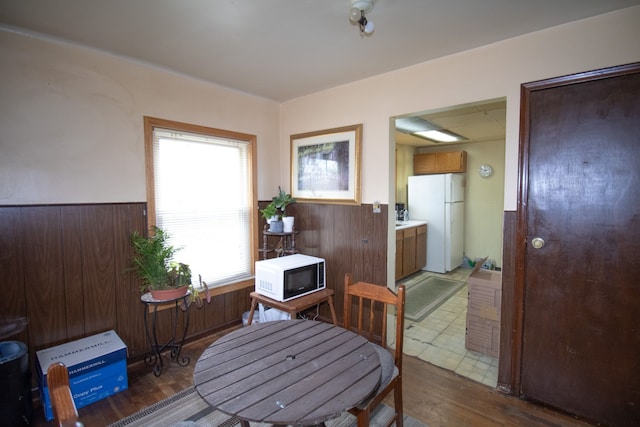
[{"x": 389, "y": 372}]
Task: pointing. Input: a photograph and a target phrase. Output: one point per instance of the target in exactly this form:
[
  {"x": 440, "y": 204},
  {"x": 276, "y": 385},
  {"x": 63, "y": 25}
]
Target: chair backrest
[
  {"x": 373, "y": 302},
  {"x": 57, "y": 375},
  {"x": 64, "y": 408}
]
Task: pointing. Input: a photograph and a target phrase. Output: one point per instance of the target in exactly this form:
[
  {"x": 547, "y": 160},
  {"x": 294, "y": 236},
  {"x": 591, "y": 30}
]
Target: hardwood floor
[{"x": 435, "y": 396}]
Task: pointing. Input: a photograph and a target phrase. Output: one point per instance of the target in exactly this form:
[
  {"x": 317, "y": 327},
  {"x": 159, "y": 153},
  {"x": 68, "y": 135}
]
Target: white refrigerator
[{"x": 439, "y": 200}]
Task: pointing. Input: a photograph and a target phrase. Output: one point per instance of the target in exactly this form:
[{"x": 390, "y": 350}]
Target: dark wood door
[{"x": 580, "y": 185}]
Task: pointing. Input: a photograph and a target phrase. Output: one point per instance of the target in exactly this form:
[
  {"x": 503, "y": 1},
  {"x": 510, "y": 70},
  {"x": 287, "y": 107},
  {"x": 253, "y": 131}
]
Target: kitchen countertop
[{"x": 401, "y": 225}]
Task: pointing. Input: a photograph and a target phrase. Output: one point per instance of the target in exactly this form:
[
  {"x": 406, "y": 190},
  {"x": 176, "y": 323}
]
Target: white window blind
[{"x": 202, "y": 199}]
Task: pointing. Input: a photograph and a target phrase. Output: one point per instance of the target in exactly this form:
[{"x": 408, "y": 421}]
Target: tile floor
[{"x": 439, "y": 337}]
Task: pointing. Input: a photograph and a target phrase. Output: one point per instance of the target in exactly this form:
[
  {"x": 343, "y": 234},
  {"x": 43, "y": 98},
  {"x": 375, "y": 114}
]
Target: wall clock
[{"x": 485, "y": 170}]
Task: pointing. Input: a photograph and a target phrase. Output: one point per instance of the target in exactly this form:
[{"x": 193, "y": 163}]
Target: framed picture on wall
[{"x": 325, "y": 165}]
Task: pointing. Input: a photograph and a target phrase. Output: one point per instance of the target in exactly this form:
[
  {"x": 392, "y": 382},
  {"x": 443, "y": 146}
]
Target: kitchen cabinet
[
  {"x": 399, "y": 254},
  {"x": 421, "y": 247},
  {"x": 440, "y": 162},
  {"x": 408, "y": 251},
  {"x": 411, "y": 250}
]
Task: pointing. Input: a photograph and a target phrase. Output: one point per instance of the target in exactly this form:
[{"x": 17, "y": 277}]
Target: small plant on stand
[
  {"x": 153, "y": 263},
  {"x": 280, "y": 203},
  {"x": 270, "y": 213},
  {"x": 282, "y": 200}
]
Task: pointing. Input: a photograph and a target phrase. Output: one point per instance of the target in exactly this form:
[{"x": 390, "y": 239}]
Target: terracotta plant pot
[{"x": 169, "y": 294}]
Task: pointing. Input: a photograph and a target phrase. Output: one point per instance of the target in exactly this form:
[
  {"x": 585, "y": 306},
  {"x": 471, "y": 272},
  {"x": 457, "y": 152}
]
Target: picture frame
[{"x": 325, "y": 166}]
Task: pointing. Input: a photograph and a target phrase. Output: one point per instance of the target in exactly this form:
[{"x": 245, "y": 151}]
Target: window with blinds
[{"x": 201, "y": 196}]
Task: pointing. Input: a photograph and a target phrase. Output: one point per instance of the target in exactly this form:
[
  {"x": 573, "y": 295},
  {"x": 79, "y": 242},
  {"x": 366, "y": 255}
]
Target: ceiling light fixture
[
  {"x": 439, "y": 135},
  {"x": 357, "y": 16},
  {"x": 422, "y": 128}
]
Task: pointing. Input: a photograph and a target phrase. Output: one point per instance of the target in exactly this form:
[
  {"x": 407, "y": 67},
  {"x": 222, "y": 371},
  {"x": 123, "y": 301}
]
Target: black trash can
[{"x": 16, "y": 408}]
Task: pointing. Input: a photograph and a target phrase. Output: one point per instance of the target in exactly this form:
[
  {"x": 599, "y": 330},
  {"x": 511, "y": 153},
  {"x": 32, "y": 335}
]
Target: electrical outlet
[{"x": 376, "y": 207}]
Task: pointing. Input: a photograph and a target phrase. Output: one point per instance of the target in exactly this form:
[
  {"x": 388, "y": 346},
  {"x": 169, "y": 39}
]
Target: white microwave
[{"x": 288, "y": 277}]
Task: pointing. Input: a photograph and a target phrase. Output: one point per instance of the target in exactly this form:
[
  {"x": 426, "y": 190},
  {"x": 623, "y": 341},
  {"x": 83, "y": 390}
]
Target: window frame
[{"x": 152, "y": 122}]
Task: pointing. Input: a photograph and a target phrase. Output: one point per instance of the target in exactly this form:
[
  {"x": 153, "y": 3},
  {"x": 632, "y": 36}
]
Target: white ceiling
[{"x": 284, "y": 49}]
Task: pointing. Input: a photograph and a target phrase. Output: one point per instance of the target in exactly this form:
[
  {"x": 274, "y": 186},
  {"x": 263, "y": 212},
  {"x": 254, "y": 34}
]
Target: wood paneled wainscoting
[
  {"x": 352, "y": 239},
  {"x": 508, "y": 317},
  {"x": 62, "y": 269}
]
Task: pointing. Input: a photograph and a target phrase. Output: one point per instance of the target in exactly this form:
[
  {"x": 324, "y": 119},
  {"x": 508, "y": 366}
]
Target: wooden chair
[
  {"x": 64, "y": 408},
  {"x": 373, "y": 296}
]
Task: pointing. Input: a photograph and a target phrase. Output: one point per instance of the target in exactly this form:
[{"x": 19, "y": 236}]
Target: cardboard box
[
  {"x": 485, "y": 293},
  {"x": 83, "y": 355},
  {"x": 483, "y": 311},
  {"x": 97, "y": 368},
  {"x": 90, "y": 387},
  {"x": 483, "y": 335}
]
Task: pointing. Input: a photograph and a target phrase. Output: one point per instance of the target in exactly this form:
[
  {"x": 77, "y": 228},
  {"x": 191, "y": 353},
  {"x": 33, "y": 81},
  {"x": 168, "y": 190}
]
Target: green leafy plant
[
  {"x": 153, "y": 262},
  {"x": 196, "y": 297},
  {"x": 281, "y": 201},
  {"x": 179, "y": 274},
  {"x": 269, "y": 211}
]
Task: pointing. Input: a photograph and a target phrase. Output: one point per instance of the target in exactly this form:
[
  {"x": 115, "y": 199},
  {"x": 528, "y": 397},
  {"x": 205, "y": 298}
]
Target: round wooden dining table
[{"x": 289, "y": 372}]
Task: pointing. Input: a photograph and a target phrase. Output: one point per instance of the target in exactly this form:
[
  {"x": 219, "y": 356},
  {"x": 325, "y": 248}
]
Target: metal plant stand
[{"x": 154, "y": 358}]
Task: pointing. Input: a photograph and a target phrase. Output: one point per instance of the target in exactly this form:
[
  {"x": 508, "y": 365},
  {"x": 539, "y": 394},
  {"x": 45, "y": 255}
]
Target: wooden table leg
[
  {"x": 333, "y": 310},
  {"x": 252, "y": 311},
  {"x": 297, "y": 305}
]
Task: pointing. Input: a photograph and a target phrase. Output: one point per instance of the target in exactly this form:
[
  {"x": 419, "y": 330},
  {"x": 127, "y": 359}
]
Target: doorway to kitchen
[{"x": 439, "y": 336}]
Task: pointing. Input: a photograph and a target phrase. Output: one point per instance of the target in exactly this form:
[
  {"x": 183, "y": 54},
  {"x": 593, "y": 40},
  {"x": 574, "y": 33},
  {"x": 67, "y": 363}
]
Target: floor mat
[
  {"x": 187, "y": 409},
  {"x": 427, "y": 294}
]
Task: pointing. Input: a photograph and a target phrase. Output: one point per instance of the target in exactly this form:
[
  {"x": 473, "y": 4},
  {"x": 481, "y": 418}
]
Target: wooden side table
[{"x": 296, "y": 305}]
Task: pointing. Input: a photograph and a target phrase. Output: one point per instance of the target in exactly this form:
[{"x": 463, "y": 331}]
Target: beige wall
[
  {"x": 489, "y": 72},
  {"x": 483, "y": 219},
  {"x": 71, "y": 118},
  {"x": 404, "y": 169},
  {"x": 71, "y": 122}
]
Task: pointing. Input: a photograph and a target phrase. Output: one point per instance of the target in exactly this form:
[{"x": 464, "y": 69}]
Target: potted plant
[
  {"x": 153, "y": 263},
  {"x": 274, "y": 212},
  {"x": 281, "y": 201},
  {"x": 270, "y": 214}
]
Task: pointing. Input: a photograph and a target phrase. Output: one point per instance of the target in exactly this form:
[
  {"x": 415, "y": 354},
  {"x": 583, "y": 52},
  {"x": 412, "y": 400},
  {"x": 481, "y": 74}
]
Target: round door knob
[{"x": 537, "y": 242}]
